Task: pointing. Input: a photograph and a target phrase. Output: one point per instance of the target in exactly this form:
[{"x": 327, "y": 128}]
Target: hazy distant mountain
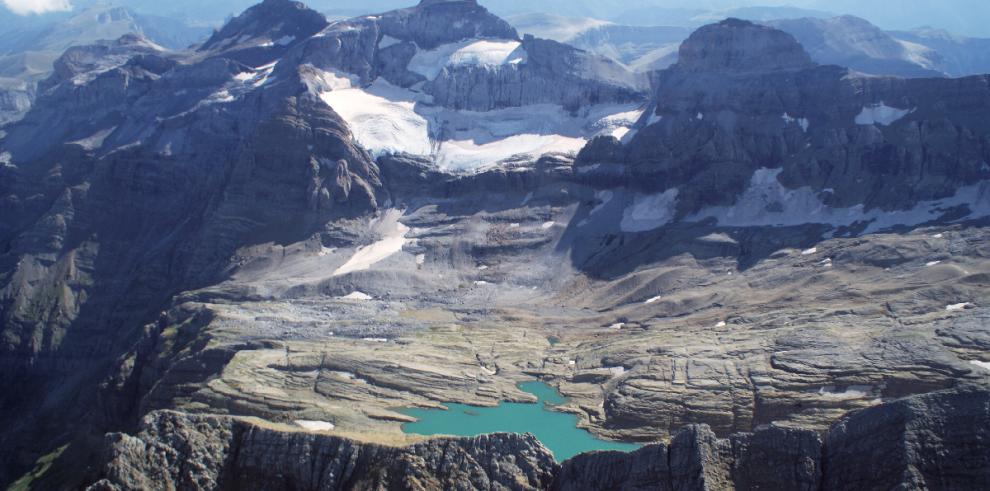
[
  {"x": 958, "y": 55},
  {"x": 856, "y": 43},
  {"x": 29, "y": 45}
]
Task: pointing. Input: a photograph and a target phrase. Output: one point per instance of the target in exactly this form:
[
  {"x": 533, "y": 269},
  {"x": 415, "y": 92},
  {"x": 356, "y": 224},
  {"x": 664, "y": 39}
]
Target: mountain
[
  {"x": 207, "y": 253},
  {"x": 956, "y": 56},
  {"x": 28, "y": 53}
]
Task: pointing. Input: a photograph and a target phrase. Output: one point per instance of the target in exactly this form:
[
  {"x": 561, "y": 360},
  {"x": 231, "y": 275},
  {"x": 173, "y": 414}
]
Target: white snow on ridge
[
  {"x": 981, "y": 364},
  {"x": 881, "y": 114},
  {"x": 803, "y": 205},
  {"x": 650, "y": 211},
  {"x": 485, "y": 52}
]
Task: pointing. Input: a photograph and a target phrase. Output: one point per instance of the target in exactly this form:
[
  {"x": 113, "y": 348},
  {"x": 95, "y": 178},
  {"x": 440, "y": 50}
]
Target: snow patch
[
  {"x": 548, "y": 225},
  {"x": 315, "y": 425},
  {"x": 959, "y": 306},
  {"x": 851, "y": 392},
  {"x": 375, "y": 340},
  {"x": 617, "y": 326},
  {"x": 720, "y": 324},
  {"x": 802, "y": 122},
  {"x": 809, "y": 252},
  {"x": 881, "y": 114},
  {"x": 481, "y": 283},
  {"x": 359, "y": 296},
  {"x": 933, "y": 263},
  {"x": 981, "y": 364},
  {"x": 649, "y": 211},
  {"x": 653, "y": 300},
  {"x": 420, "y": 259},
  {"x": 366, "y": 257},
  {"x": 94, "y": 141},
  {"x": 467, "y": 53},
  {"x": 767, "y": 203},
  {"x": 388, "y": 41}
]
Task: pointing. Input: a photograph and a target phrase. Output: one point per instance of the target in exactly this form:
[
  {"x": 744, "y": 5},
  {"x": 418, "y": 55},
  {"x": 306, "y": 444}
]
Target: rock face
[
  {"x": 936, "y": 441},
  {"x": 214, "y": 233},
  {"x": 739, "y": 46},
  {"x": 177, "y": 451},
  {"x": 745, "y": 97}
]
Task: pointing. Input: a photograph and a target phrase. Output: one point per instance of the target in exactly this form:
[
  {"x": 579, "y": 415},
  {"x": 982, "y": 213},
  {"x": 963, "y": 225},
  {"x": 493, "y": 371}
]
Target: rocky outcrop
[
  {"x": 554, "y": 73},
  {"x": 436, "y": 22},
  {"x": 745, "y": 97},
  {"x": 177, "y": 451},
  {"x": 740, "y": 46},
  {"x": 936, "y": 441}
]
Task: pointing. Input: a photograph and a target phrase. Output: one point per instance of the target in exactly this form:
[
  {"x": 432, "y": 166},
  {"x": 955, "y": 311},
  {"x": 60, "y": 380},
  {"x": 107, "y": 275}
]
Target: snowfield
[
  {"x": 468, "y": 53},
  {"x": 385, "y": 119},
  {"x": 881, "y": 114},
  {"x": 803, "y": 205},
  {"x": 649, "y": 212},
  {"x": 365, "y": 257}
]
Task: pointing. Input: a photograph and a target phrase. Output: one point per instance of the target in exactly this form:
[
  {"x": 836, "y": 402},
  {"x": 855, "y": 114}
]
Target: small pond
[{"x": 558, "y": 431}]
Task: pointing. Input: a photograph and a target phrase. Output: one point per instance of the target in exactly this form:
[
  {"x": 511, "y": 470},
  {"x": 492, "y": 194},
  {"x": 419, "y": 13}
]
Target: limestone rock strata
[{"x": 935, "y": 441}]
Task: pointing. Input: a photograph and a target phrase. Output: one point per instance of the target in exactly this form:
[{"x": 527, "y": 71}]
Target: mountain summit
[{"x": 735, "y": 45}]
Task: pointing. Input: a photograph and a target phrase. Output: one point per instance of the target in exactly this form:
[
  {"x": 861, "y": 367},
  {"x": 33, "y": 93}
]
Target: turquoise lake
[{"x": 558, "y": 431}]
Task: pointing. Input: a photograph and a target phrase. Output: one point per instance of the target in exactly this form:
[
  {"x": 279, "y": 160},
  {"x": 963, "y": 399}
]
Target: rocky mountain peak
[
  {"x": 279, "y": 22},
  {"x": 735, "y": 45},
  {"x": 435, "y": 22}
]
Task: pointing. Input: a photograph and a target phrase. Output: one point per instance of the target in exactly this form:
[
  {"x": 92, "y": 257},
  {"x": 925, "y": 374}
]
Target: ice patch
[
  {"x": 767, "y": 203},
  {"x": 653, "y": 300},
  {"x": 959, "y": 306},
  {"x": 981, "y": 364},
  {"x": 468, "y": 53},
  {"x": 548, "y": 225},
  {"x": 94, "y": 141},
  {"x": 379, "y": 123},
  {"x": 933, "y": 263},
  {"x": 802, "y": 122},
  {"x": 366, "y": 257},
  {"x": 315, "y": 425},
  {"x": 359, "y": 296},
  {"x": 388, "y": 41},
  {"x": 649, "y": 211},
  {"x": 808, "y": 252},
  {"x": 851, "y": 392},
  {"x": 881, "y": 114}
]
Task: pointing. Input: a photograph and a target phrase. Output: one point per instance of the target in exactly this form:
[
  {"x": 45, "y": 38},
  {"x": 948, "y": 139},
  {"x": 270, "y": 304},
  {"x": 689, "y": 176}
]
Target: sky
[{"x": 966, "y": 17}]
